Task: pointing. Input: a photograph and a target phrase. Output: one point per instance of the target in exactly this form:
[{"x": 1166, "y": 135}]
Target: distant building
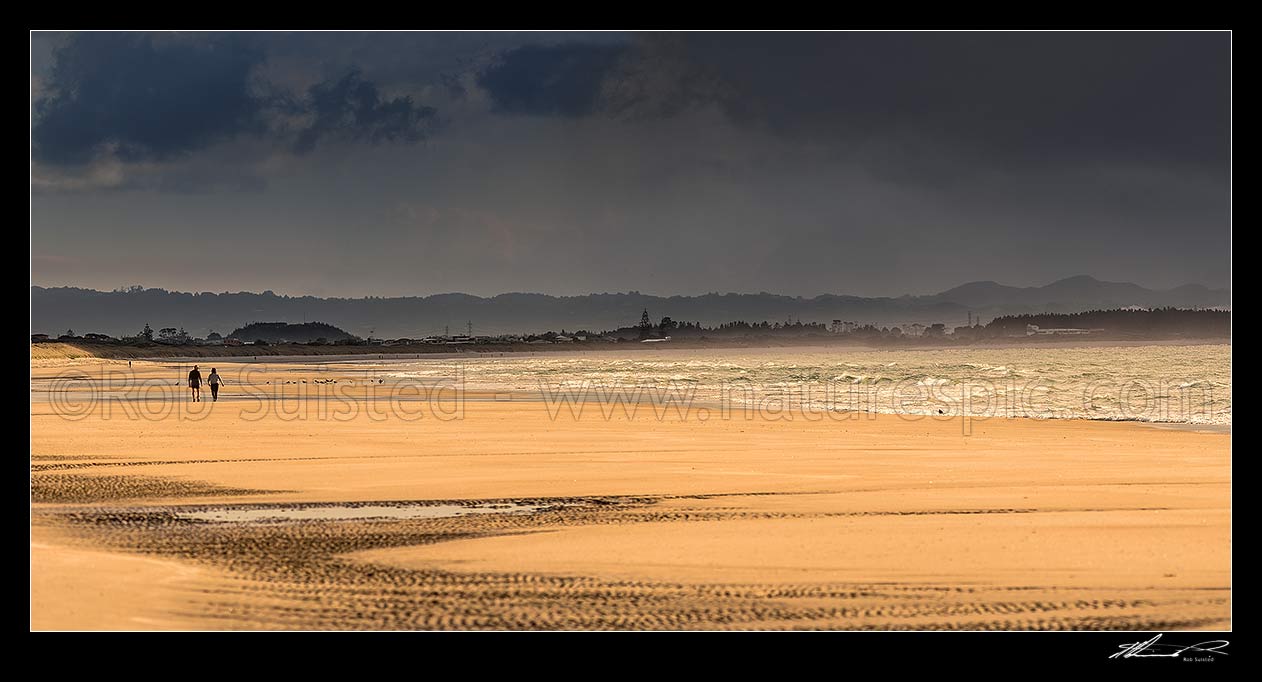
[
  {"x": 98, "y": 337},
  {"x": 915, "y": 329}
]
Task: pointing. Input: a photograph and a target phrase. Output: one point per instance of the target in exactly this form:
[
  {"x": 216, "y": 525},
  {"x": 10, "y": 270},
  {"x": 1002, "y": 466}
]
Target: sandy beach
[{"x": 683, "y": 522}]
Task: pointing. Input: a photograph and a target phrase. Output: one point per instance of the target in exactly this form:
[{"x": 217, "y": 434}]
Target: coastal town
[{"x": 1120, "y": 323}]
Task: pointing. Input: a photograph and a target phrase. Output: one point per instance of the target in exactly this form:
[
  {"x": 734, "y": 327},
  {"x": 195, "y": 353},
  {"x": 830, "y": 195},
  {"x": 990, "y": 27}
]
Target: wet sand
[{"x": 872, "y": 522}]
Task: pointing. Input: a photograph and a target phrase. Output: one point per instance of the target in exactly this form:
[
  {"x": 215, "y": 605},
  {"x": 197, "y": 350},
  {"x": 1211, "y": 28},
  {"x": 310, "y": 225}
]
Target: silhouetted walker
[
  {"x": 195, "y": 383},
  {"x": 214, "y": 380}
]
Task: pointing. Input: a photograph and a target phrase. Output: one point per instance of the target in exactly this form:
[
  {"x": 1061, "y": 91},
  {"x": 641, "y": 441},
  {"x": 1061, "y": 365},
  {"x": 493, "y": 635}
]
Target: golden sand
[{"x": 873, "y": 522}]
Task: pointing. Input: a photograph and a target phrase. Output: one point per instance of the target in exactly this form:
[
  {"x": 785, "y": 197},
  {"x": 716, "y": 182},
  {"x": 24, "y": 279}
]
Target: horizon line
[{"x": 628, "y": 292}]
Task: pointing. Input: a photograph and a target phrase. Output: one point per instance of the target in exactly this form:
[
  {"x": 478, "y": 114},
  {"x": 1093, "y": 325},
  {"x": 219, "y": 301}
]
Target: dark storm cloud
[
  {"x": 910, "y": 104},
  {"x": 142, "y": 97},
  {"x": 564, "y": 80},
  {"x": 864, "y": 163},
  {"x": 1026, "y": 97},
  {"x": 352, "y": 108},
  {"x": 984, "y": 98},
  {"x": 154, "y": 98}
]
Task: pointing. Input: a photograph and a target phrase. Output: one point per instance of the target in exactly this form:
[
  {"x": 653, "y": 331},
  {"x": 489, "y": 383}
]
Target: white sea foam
[{"x": 1187, "y": 384}]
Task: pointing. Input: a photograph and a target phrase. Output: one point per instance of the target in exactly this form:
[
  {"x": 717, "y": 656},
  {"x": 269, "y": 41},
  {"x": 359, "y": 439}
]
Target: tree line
[{"x": 1155, "y": 321}]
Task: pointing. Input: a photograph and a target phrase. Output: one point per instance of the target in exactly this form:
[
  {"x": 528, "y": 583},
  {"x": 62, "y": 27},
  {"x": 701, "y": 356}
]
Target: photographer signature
[{"x": 1153, "y": 649}]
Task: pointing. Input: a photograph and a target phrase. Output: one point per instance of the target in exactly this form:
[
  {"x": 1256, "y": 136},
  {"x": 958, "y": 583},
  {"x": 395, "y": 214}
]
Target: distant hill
[
  {"x": 126, "y": 312},
  {"x": 283, "y": 332},
  {"x": 1081, "y": 292}
]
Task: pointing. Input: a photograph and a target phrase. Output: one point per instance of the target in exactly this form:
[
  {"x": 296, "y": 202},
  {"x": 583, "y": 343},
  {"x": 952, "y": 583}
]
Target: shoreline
[
  {"x": 484, "y": 394},
  {"x": 286, "y": 376}
]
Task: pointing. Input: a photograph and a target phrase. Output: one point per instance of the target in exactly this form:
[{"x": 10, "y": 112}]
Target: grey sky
[{"x": 861, "y": 163}]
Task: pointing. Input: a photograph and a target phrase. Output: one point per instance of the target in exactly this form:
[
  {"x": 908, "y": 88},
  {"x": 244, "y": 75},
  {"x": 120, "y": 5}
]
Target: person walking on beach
[
  {"x": 214, "y": 380},
  {"x": 195, "y": 383}
]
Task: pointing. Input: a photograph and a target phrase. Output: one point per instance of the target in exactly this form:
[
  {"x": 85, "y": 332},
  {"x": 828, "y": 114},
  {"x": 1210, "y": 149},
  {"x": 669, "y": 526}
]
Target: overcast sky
[{"x": 354, "y": 164}]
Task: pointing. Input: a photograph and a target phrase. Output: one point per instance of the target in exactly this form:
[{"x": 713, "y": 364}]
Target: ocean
[{"x": 1187, "y": 384}]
